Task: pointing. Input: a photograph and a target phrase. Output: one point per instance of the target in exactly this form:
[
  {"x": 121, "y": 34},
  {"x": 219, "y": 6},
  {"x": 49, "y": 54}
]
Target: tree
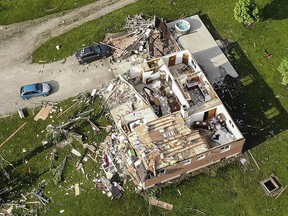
[
  {"x": 247, "y": 12},
  {"x": 283, "y": 69}
]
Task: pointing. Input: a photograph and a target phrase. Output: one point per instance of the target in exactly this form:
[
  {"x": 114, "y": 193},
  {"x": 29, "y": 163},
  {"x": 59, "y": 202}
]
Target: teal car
[{"x": 35, "y": 90}]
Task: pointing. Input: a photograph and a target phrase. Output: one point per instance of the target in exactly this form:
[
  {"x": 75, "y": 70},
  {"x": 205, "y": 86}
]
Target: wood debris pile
[{"x": 143, "y": 38}]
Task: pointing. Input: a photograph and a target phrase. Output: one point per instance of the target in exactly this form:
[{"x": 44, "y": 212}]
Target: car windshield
[
  {"x": 97, "y": 49},
  {"x": 39, "y": 87}
]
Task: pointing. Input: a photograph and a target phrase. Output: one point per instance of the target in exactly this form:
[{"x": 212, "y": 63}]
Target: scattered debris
[
  {"x": 92, "y": 148},
  {"x": 281, "y": 192},
  {"x": 113, "y": 190},
  {"x": 9, "y": 210},
  {"x": 13, "y": 134},
  {"x": 43, "y": 113},
  {"x": 42, "y": 198},
  {"x": 77, "y": 189},
  {"x": 268, "y": 54},
  {"x": 5, "y": 116},
  {"x": 75, "y": 152},
  {"x": 94, "y": 127},
  {"x": 21, "y": 113},
  {"x": 161, "y": 204},
  {"x": 143, "y": 38},
  {"x": 254, "y": 159},
  {"x": 68, "y": 109},
  {"x": 243, "y": 161},
  {"x": 59, "y": 171},
  {"x": 63, "y": 61}
]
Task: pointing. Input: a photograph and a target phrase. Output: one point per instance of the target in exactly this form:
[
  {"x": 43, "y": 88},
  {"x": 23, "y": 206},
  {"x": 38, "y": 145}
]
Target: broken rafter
[{"x": 13, "y": 134}]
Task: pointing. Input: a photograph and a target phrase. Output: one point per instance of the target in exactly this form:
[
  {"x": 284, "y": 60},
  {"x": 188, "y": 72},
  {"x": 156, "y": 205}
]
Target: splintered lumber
[
  {"x": 94, "y": 127},
  {"x": 5, "y": 116},
  {"x": 21, "y": 113},
  {"x": 77, "y": 189},
  {"x": 43, "y": 113},
  {"x": 68, "y": 108},
  {"x": 254, "y": 159},
  {"x": 13, "y": 134},
  {"x": 280, "y": 193},
  {"x": 42, "y": 199},
  {"x": 33, "y": 202},
  {"x": 9, "y": 210},
  {"x": 161, "y": 204}
]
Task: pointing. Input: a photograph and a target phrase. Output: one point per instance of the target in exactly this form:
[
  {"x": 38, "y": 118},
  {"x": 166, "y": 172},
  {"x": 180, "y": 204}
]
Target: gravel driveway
[{"x": 17, "y": 43}]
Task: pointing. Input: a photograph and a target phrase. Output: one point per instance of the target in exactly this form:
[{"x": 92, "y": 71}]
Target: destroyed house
[{"x": 173, "y": 119}]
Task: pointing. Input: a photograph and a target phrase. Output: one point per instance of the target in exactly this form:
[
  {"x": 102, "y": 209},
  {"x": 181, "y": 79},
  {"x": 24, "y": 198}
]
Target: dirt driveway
[{"x": 17, "y": 43}]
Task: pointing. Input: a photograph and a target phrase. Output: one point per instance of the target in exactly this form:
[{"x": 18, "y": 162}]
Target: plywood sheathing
[{"x": 43, "y": 113}]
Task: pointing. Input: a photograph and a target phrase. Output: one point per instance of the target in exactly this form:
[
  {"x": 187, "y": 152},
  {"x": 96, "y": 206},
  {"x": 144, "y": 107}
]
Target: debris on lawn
[
  {"x": 42, "y": 198},
  {"x": 21, "y": 113},
  {"x": 161, "y": 204},
  {"x": 75, "y": 152},
  {"x": 43, "y": 113},
  {"x": 281, "y": 192},
  {"x": 58, "y": 173},
  {"x": 142, "y": 39},
  {"x": 77, "y": 189},
  {"x": 13, "y": 134},
  {"x": 5, "y": 116},
  {"x": 112, "y": 190}
]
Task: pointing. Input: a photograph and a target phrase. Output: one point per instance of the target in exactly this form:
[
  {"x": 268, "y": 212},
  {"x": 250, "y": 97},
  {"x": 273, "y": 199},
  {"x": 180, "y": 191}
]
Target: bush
[
  {"x": 283, "y": 69},
  {"x": 247, "y": 12}
]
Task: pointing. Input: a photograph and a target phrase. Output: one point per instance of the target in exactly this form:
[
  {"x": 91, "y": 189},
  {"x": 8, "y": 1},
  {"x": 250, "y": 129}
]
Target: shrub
[
  {"x": 283, "y": 69},
  {"x": 247, "y": 12}
]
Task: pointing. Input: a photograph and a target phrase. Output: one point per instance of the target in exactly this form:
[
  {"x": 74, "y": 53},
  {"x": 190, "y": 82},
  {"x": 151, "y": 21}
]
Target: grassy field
[
  {"x": 12, "y": 11},
  {"x": 259, "y": 100}
]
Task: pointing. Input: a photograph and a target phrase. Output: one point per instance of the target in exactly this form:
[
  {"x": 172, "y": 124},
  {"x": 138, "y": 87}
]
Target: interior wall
[
  {"x": 150, "y": 75},
  {"x": 229, "y": 122},
  {"x": 177, "y": 91}
]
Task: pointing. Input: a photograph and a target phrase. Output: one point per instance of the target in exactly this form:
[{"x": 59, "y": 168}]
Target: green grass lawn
[
  {"x": 12, "y": 11},
  {"x": 260, "y": 101}
]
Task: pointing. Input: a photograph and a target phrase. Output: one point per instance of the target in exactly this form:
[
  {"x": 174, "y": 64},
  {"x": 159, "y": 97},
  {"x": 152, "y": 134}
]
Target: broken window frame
[
  {"x": 225, "y": 148},
  {"x": 201, "y": 157},
  {"x": 161, "y": 172},
  {"x": 186, "y": 162}
]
